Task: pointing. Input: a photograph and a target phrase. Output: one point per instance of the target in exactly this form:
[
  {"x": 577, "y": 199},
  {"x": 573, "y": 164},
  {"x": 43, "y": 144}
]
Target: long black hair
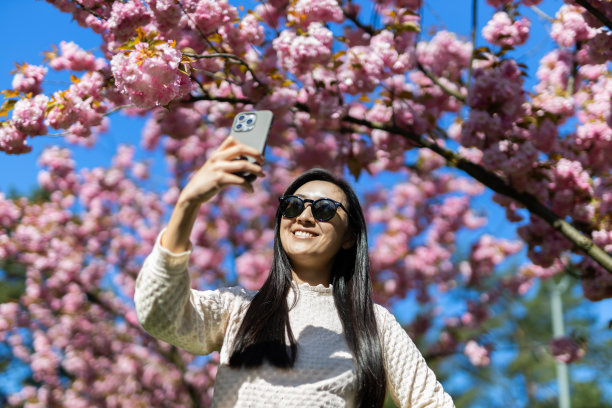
[{"x": 266, "y": 323}]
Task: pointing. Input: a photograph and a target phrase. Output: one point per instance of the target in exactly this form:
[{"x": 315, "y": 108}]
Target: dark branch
[
  {"x": 368, "y": 29},
  {"x": 486, "y": 177},
  {"x": 498, "y": 185},
  {"x": 436, "y": 81},
  {"x": 226, "y": 56},
  {"x": 596, "y": 13}
]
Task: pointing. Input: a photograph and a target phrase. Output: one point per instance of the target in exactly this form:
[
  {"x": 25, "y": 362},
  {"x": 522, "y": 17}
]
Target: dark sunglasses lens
[
  {"x": 324, "y": 210},
  {"x": 293, "y": 206}
]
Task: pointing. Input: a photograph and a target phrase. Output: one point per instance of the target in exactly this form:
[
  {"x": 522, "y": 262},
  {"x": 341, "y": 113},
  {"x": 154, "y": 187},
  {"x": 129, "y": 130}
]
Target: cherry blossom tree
[{"x": 355, "y": 87}]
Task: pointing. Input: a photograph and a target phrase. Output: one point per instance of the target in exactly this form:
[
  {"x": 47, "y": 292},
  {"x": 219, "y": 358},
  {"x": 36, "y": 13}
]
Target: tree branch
[
  {"x": 204, "y": 37},
  {"x": 498, "y": 185},
  {"x": 436, "y": 81},
  {"x": 473, "y": 37},
  {"x": 368, "y": 29},
  {"x": 596, "y": 13},
  {"x": 486, "y": 177},
  {"x": 227, "y": 56},
  {"x": 90, "y": 11}
]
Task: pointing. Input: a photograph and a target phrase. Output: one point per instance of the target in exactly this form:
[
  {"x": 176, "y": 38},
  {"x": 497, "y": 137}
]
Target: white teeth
[{"x": 303, "y": 234}]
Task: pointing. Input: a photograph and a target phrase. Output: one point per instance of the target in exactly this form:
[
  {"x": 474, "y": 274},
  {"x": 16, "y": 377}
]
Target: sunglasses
[{"x": 322, "y": 209}]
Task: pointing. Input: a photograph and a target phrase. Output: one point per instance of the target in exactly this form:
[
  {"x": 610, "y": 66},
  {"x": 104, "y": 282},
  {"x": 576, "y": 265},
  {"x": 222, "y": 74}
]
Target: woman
[{"x": 311, "y": 336}]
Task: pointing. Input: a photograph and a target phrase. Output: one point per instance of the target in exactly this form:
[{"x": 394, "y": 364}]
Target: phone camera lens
[
  {"x": 249, "y": 121},
  {"x": 239, "y": 126},
  {"x": 241, "y": 118}
]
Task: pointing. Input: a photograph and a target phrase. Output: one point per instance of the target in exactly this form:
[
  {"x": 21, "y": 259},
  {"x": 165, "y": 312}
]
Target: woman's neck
[{"x": 311, "y": 277}]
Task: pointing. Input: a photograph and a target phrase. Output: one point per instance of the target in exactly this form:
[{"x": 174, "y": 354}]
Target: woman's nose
[{"x": 306, "y": 215}]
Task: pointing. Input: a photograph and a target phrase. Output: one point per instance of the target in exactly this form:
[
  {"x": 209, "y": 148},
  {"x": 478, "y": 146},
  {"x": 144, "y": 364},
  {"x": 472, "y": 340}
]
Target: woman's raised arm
[{"x": 217, "y": 173}]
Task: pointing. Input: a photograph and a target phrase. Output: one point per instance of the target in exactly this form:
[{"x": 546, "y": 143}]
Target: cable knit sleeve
[
  {"x": 410, "y": 381},
  {"x": 167, "y": 307}
]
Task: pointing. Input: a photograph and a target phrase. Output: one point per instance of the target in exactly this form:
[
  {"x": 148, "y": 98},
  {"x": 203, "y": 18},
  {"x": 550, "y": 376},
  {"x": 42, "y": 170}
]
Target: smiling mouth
[{"x": 303, "y": 234}]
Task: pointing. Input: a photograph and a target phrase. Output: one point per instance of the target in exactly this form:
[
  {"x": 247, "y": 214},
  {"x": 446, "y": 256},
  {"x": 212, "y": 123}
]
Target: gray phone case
[{"x": 252, "y": 128}]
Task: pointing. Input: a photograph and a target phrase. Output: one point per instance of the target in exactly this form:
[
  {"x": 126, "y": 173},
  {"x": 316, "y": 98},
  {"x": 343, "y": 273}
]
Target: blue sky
[{"x": 32, "y": 26}]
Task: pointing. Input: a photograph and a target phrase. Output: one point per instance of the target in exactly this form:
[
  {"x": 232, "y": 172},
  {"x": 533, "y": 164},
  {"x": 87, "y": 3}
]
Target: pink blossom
[
  {"x": 543, "y": 135},
  {"x": 299, "y": 53},
  {"x": 594, "y": 139},
  {"x": 501, "y": 86},
  {"x": 570, "y": 184},
  {"x": 304, "y": 12},
  {"x": 29, "y": 114},
  {"x": 64, "y": 110},
  {"x": 566, "y": 349},
  {"x": 12, "y": 141},
  {"x": 149, "y": 74},
  {"x": 140, "y": 170},
  {"x": 445, "y": 55},
  {"x": 29, "y": 79},
  {"x": 124, "y": 156},
  {"x": 249, "y": 31},
  {"x": 598, "y": 49},
  {"x": 502, "y": 31},
  {"x": 486, "y": 254},
  {"x": 74, "y": 58},
  {"x": 545, "y": 243},
  {"x": 554, "y": 70},
  {"x": 269, "y": 15},
  {"x": 383, "y": 45},
  {"x": 167, "y": 14},
  {"x": 253, "y": 269},
  {"x": 9, "y": 212},
  {"x": 61, "y": 169},
  {"x": 126, "y": 17},
  {"x": 210, "y": 15},
  {"x": 570, "y": 27},
  {"x": 477, "y": 354}
]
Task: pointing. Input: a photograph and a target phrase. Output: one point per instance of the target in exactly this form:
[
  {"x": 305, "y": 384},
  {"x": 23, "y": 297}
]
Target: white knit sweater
[{"x": 323, "y": 374}]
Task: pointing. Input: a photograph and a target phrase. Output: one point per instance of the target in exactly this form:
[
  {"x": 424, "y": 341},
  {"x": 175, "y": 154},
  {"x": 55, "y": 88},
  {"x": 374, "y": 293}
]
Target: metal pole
[{"x": 556, "y": 306}]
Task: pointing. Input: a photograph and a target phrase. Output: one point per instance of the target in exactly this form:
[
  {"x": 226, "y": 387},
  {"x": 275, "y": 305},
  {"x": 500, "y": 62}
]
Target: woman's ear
[{"x": 349, "y": 239}]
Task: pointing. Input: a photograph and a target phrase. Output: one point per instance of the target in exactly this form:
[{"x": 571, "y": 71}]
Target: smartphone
[{"x": 252, "y": 128}]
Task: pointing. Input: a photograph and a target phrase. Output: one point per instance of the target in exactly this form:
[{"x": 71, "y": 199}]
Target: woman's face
[{"x": 310, "y": 243}]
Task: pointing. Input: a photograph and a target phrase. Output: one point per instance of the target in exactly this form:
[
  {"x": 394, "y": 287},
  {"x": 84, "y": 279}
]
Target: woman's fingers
[
  {"x": 234, "y": 149},
  {"x": 241, "y": 166}
]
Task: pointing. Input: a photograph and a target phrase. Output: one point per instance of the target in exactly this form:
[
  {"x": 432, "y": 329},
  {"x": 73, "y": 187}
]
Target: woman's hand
[
  {"x": 220, "y": 170},
  {"x": 217, "y": 173}
]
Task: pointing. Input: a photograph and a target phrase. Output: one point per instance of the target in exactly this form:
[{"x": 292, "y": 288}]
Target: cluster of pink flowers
[
  {"x": 554, "y": 73},
  {"x": 304, "y": 12},
  {"x": 566, "y": 349},
  {"x": 248, "y": 31},
  {"x": 445, "y": 55},
  {"x": 477, "y": 354},
  {"x": 28, "y": 79},
  {"x": 486, "y": 254},
  {"x": 545, "y": 244},
  {"x": 166, "y": 14},
  {"x": 570, "y": 186},
  {"x": 149, "y": 74},
  {"x": 503, "y": 31},
  {"x": 75, "y": 58},
  {"x": 126, "y": 17},
  {"x": 401, "y": 263},
  {"x": 29, "y": 114},
  {"x": 210, "y": 15},
  {"x": 12, "y": 141},
  {"x": 298, "y": 54},
  {"x": 570, "y": 27}
]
